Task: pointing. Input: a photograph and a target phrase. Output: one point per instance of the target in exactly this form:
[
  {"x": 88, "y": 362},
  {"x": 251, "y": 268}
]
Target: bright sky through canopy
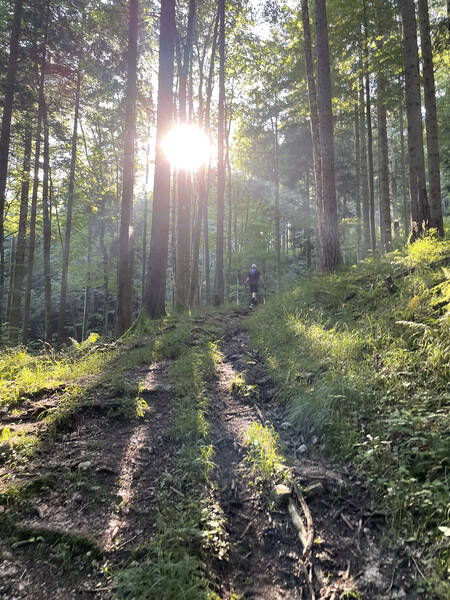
[{"x": 187, "y": 147}]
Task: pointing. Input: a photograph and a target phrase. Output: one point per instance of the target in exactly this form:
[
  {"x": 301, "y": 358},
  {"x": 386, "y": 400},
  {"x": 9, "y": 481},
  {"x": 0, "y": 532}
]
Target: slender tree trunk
[
  {"x": 105, "y": 277},
  {"x": 230, "y": 213},
  {"x": 276, "y": 172},
  {"x": 331, "y": 254},
  {"x": 315, "y": 133},
  {"x": 364, "y": 175},
  {"x": 383, "y": 151},
  {"x": 206, "y": 251},
  {"x": 308, "y": 228},
  {"x": 87, "y": 289},
  {"x": 144, "y": 232},
  {"x": 358, "y": 183},
  {"x": 46, "y": 215},
  {"x": 70, "y": 195},
  {"x": 417, "y": 183},
  {"x": 5, "y": 133},
  {"x": 19, "y": 268},
  {"x": 405, "y": 206},
  {"x": 12, "y": 260},
  {"x": 434, "y": 177},
  {"x": 34, "y": 198},
  {"x": 125, "y": 262},
  {"x": 219, "y": 280},
  {"x": 373, "y": 235},
  {"x": 155, "y": 295}
]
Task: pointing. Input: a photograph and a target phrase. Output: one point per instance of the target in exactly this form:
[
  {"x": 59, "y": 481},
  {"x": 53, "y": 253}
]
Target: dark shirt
[{"x": 253, "y": 276}]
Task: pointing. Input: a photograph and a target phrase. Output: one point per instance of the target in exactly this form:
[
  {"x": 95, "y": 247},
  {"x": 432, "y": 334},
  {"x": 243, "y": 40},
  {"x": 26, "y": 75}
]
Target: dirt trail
[{"x": 106, "y": 471}]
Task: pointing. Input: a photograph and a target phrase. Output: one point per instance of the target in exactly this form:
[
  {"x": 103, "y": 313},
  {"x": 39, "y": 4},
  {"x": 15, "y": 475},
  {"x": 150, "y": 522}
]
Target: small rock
[
  {"x": 302, "y": 449},
  {"x": 400, "y": 594},
  {"x": 84, "y": 466},
  {"x": 77, "y": 498},
  {"x": 151, "y": 450},
  {"x": 105, "y": 469},
  {"x": 314, "y": 440},
  {"x": 7, "y": 555},
  {"x": 2, "y": 509},
  {"x": 286, "y": 425},
  {"x": 282, "y": 494}
]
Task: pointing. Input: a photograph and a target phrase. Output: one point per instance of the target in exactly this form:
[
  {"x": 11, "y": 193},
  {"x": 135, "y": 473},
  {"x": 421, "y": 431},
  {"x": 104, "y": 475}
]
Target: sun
[{"x": 187, "y": 147}]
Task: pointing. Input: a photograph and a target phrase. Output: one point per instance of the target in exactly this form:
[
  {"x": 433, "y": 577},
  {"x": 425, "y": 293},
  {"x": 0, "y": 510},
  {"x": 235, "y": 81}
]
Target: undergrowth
[{"x": 363, "y": 357}]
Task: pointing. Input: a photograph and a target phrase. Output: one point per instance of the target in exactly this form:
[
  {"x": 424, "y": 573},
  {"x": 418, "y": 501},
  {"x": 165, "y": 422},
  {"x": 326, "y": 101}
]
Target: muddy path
[{"x": 98, "y": 482}]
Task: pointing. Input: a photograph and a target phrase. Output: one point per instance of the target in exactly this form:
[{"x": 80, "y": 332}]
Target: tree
[
  {"x": 219, "y": 278},
  {"x": 434, "y": 177},
  {"x": 125, "y": 264},
  {"x": 331, "y": 250},
  {"x": 5, "y": 133},
  {"x": 419, "y": 204},
  {"x": 155, "y": 295}
]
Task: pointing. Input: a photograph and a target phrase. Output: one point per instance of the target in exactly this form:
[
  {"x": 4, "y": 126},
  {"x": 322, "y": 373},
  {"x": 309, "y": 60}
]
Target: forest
[{"x": 224, "y": 299}]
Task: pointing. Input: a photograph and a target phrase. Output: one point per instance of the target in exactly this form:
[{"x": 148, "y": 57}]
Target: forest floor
[{"x": 172, "y": 493}]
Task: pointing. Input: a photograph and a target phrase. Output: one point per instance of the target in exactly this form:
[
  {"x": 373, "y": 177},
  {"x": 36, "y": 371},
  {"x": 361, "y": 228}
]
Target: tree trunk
[
  {"x": 364, "y": 177},
  {"x": 219, "y": 280},
  {"x": 331, "y": 254},
  {"x": 315, "y": 133},
  {"x": 405, "y": 206},
  {"x": 358, "y": 183},
  {"x": 125, "y": 262},
  {"x": 383, "y": 151},
  {"x": 5, "y": 133},
  {"x": 47, "y": 230},
  {"x": 144, "y": 232},
  {"x": 105, "y": 277},
  {"x": 230, "y": 213},
  {"x": 373, "y": 235},
  {"x": 276, "y": 172},
  {"x": 19, "y": 268},
  {"x": 417, "y": 183},
  {"x": 434, "y": 177},
  {"x": 70, "y": 194},
  {"x": 87, "y": 290},
  {"x": 155, "y": 294}
]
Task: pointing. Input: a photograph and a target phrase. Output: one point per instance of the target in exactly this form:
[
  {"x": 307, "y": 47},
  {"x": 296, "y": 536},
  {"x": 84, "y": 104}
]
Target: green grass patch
[
  {"x": 363, "y": 356},
  {"x": 263, "y": 451}
]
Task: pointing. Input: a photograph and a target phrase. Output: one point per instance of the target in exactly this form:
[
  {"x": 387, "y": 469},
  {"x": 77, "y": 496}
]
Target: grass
[
  {"x": 367, "y": 364},
  {"x": 263, "y": 452}
]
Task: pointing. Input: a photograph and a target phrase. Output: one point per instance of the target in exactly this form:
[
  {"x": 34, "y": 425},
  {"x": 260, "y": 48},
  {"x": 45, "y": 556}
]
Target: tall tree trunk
[
  {"x": 155, "y": 294},
  {"x": 358, "y": 183},
  {"x": 405, "y": 205},
  {"x": 434, "y": 177},
  {"x": 87, "y": 289},
  {"x": 364, "y": 176},
  {"x": 12, "y": 260},
  {"x": 219, "y": 280},
  {"x": 417, "y": 183},
  {"x": 70, "y": 194},
  {"x": 125, "y": 262},
  {"x": 331, "y": 254},
  {"x": 105, "y": 277},
  {"x": 5, "y": 133},
  {"x": 19, "y": 268},
  {"x": 47, "y": 230},
  {"x": 34, "y": 198},
  {"x": 373, "y": 235},
  {"x": 230, "y": 211},
  {"x": 144, "y": 232},
  {"x": 276, "y": 172},
  {"x": 206, "y": 249},
  {"x": 184, "y": 177},
  {"x": 315, "y": 133},
  {"x": 383, "y": 151},
  {"x": 308, "y": 228}
]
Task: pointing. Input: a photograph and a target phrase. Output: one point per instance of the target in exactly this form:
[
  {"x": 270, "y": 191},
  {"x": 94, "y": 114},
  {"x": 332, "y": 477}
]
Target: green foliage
[
  {"x": 367, "y": 364},
  {"x": 263, "y": 453},
  {"x": 240, "y": 389}
]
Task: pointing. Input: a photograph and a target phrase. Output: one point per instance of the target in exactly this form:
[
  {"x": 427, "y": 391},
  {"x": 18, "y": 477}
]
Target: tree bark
[
  {"x": 144, "y": 232},
  {"x": 219, "y": 279},
  {"x": 417, "y": 183},
  {"x": 358, "y": 183},
  {"x": 331, "y": 254},
  {"x": 87, "y": 290},
  {"x": 155, "y": 294},
  {"x": 373, "y": 235},
  {"x": 364, "y": 176},
  {"x": 19, "y": 267},
  {"x": 47, "y": 230},
  {"x": 276, "y": 172},
  {"x": 315, "y": 133},
  {"x": 230, "y": 209},
  {"x": 434, "y": 177},
  {"x": 125, "y": 261},
  {"x": 405, "y": 206},
  {"x": 70, "y": 195},
  {"x": 5, "y": 133}
]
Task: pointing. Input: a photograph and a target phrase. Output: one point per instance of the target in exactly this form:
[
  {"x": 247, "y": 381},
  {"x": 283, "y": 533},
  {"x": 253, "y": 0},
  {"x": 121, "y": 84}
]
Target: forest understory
[{"x": 177, "y": 474}]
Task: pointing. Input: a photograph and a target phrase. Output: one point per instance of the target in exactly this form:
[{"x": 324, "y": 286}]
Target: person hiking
[{"x": 253, "y": 279}]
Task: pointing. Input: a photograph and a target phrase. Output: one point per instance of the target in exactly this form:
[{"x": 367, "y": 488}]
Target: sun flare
[{"x": 187, "y": 147}]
